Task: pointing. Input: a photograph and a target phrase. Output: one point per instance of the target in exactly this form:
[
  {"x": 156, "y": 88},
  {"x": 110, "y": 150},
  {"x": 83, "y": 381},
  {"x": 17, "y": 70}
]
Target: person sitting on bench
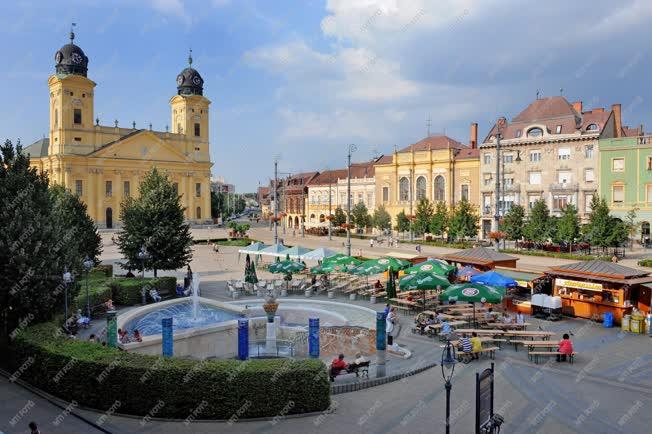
[
  {"x": 338, "y": 365},
  {"x": 465, "y": 344},
  {"x": 476, "y": 344},
  {"x": 359, "y": 359},
  {"x": 155, "y": 295},
  {"x": 422, "y": 324},
  {"x": 565, "y": 348}
]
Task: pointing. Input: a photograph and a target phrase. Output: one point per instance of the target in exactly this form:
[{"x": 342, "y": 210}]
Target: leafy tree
[
  {"x": 513, "y": 223},
  {"x": 226, "y": 204},
  {"x": 538, "y": 226},
  {"x": 439, "y": 221},
  {"x": 619, "y": 233},
  {"x": 402, "y": 222},
  {"x": 381, "y": 219},
  {"x": 630, "y": 224},
  {"x": 463, "y": 221},
  {"x": 422, "y": 217},
  {"x": 155, "y": 220},
  {"x": 598, "y": 230},
  {"x": 568, "y": 226},
  {"x": 72, "y": 215},
  {"x": 32, "y": 244},
  {"x": 339, "y": 218},
  {"x": 360, "y": 215}
]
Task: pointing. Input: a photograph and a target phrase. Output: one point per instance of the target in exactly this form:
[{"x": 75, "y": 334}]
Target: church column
[
  {"x": 89, "y": 190},
  {"x": 118, "y": 194},
  {"x": 99, "y": 188}
]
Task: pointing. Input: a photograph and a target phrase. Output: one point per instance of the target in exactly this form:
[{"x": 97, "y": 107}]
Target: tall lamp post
[
  {"x": 88, "y": 264},
  {"x": 143, "y": 255},
  {"x": 500, "y": 124},
  {"x": 67, "y": 280},
  {"x": 352, "y": 148},
  {"x": 411, "y": 215},
  {"x": 447, "y": 369},
  {"x": 275, "y": 202},
  {"x": 330, "y": 204}
]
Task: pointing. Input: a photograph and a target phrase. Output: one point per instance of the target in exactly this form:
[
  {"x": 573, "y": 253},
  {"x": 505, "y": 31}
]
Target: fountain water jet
[{"x": 195, "y": 295}]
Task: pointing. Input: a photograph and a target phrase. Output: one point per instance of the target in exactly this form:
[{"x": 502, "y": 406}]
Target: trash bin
[
  {"x": 635, "y": 325},
  {"x": 624, "y": 325},
  {"x": 608, "y": 320},
  {"x": 648, "y": 324}
]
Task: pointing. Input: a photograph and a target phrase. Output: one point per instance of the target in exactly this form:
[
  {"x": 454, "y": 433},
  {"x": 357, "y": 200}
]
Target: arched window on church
[
  {"x": 403, "y": 189},
  {"x": 440, "y": 189},
  {"x": 421, "y": 187}
]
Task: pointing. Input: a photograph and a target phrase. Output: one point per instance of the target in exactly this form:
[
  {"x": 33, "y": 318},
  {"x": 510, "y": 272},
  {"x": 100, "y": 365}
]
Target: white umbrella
[{"x": 319, "y": 254}]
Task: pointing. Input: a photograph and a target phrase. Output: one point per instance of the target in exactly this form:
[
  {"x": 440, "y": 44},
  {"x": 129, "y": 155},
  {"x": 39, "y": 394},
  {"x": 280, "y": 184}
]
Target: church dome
[
  {"x": 70, "y": 59},
  {"x": 189, "y": 81}
]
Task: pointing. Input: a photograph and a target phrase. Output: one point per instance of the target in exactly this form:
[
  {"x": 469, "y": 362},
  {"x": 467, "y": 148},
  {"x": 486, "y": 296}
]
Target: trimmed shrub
[
  {"x": 126, "y": 291},
  {"x": 645, "y": 262},
  {"x": 98, "y": 293},
  {"x": 106, "y": 269},
  {"x": 97, "y": 377}
]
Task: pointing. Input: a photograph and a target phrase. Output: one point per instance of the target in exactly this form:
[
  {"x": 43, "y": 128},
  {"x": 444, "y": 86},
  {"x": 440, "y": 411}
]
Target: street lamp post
[
  {"x": 67, "y": 280},
  {"x": 499, "y": 126},
  {"x": 447, "y": 369},
  {"x": 330, "y": 213},
  {"x": 88, "y": 264},
  {"x": 275, "y": 202},
  {"x": 352, "y": 148},
  {"x": 411, "y": 215}
]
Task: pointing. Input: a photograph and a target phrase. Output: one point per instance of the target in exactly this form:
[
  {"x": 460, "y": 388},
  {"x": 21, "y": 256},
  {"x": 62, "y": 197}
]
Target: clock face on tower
[
  {"x": 76, "y": 58},
  {"x": 58, "y": 57},
  {"x": 196, "y": 80},
  {"x": 179, "y": 79}
]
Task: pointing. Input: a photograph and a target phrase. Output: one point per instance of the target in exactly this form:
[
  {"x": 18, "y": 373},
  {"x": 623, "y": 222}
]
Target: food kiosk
[{"x": 592, "y": 288}]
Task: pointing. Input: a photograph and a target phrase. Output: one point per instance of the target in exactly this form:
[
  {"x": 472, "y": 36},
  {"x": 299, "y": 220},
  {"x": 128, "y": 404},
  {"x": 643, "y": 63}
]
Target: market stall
[
  {"x": 592, "y": 288},
  {"x": 482, "y": 258}
]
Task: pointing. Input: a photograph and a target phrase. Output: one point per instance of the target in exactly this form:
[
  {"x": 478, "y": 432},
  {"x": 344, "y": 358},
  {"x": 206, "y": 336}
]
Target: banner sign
[{"x": 578, "y": 284}]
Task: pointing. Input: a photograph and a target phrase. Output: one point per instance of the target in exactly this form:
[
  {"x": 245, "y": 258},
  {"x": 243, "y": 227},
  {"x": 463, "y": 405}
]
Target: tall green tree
[
  {"x": 513, "y": 223},
  {"x": 600, "y": 226},
  {"x": 422, "y": 217},
  {"x": 83, "y": 239},
  {"x": 339, "y": 217},
  {"x": 32, "y": 244},
  {"x": 360, "y": 215},
  {"x": 402, "y": 222},
  {"x": 538, "y": 226},
  {"x": 463, "y": 222},
  {"x": 381, "y": 219},
  {"x": 155, "y": 220},
  {"x": 568, "y": 226},
  {"x": 439, "y": 222},
  {"x": 630, "y": 225}
]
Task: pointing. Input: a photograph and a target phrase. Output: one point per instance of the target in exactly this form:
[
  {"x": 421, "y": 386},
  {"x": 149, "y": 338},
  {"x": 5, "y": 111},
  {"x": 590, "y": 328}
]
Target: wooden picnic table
[
  {"x": 532, "y": 334},
  {"x": 500, "y": 325},
  {"x": 492, "y": 332},
  {"x": 450, "y": 306},
  {"x": 437, "y": 327}
]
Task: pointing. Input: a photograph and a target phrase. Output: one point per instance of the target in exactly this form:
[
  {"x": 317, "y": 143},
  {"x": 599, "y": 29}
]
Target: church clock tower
[
  {"x": 71, "y": 102},
  {"x": 190, "y": 112}
]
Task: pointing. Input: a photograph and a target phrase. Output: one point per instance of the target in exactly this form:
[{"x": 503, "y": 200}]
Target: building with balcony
[
  {"x": 292, "y": 200},
  {"x": 334, "y": 184},
  {"x": 626, "y": 178},
  {"x": 548, "y": 151},
  {"x": 437, "y": 168}
]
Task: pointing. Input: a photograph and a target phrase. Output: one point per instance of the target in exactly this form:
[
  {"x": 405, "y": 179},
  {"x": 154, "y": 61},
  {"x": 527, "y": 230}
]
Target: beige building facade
[
  {"x": 549, "y": 151},
  {"x": 437, "y": 168}
]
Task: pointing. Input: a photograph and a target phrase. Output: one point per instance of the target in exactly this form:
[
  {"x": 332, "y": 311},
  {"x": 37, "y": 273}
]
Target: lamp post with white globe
[{"x": 88, "y": 264}]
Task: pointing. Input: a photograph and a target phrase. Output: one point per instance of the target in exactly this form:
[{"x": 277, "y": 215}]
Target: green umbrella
[
  {"x": 253, "y": 278},
  {"x": 380, "y": 265},
  {"x": 286, "y": 266},
  {"x": 422, "y": 281},
  {"x": 473, "y": 293},
  {"x": 391, "y": 286},
  {"x": 335, "y": 257},
  {"x": 433, "y": 265},
  {"x": 343, "y": 260}
]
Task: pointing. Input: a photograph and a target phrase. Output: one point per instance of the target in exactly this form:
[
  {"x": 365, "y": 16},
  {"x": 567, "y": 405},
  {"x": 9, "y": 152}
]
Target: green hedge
[
  {"x": 105, "y": 269},
  {"x": 97, "y": 377},
  {"x": 126, "y": 291},
  {"x": 645, "y": 262},
  {"x": 560, "y": 255}
]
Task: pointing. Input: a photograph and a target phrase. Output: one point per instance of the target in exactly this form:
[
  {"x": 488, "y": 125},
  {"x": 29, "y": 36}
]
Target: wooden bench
[
  {"x": 532, "y": 344},
  {"x": 467, "y": 357},
  {"x": 537, "y": 354},
  {"x": 361, "y": 369}
]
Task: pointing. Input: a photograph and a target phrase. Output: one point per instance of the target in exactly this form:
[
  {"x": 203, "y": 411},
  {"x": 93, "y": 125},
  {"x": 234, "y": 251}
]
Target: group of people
[
  {"x": 124, "y": 338},
  {"x": 471, "y": 346}
]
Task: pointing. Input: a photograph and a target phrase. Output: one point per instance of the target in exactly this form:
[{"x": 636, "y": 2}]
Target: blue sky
[{"x": 302, "y": 79}]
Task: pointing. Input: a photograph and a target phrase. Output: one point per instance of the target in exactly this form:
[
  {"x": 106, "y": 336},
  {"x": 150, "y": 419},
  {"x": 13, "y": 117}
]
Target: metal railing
[{"x": 284, "y": 348}]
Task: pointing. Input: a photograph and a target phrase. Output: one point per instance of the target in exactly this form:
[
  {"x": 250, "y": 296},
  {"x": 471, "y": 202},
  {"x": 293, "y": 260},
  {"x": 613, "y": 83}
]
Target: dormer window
[
  {"x": 535, "y": 132},
  {"x": 592, "y": 127},
  {"x": 558, "y": 130}
]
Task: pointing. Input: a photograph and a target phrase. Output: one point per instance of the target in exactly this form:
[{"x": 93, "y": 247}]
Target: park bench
[
  {"x": 537, "y": 354},
  {"x": 360, "y": 369}
]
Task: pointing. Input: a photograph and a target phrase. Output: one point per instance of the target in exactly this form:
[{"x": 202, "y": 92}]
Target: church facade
[{"x": 104, "y": 164}]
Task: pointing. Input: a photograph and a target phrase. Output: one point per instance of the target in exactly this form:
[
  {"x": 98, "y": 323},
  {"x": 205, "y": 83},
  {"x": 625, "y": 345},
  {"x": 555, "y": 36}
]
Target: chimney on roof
[
  {"x": 598, "y": 110},
  {"x": 474, "y": 135},
  {"x": 577, "y": 105},
  {"x": 615, "y": 108},
  {"x": 640, "y": 131}
]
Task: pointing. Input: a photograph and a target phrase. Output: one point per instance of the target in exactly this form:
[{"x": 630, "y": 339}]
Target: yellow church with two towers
[{"x": 104, "y": 164}]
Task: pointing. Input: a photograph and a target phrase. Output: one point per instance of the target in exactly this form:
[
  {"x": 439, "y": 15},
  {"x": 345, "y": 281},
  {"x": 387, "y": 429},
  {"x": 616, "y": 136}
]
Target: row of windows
[
  {"x": 538, "y": 132},
  {"x": 618, "y": 194},
  {"x": 439, "y": 189},
  {"x": 535, "y": 155},
  {"x": 534, "y": 177},
  {"x": 126, "y": 188},
  {"x": 559, "y": 201}
]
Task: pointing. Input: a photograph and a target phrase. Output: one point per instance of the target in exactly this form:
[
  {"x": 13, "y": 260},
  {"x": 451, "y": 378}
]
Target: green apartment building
[{"x": 626, "y": 178}]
